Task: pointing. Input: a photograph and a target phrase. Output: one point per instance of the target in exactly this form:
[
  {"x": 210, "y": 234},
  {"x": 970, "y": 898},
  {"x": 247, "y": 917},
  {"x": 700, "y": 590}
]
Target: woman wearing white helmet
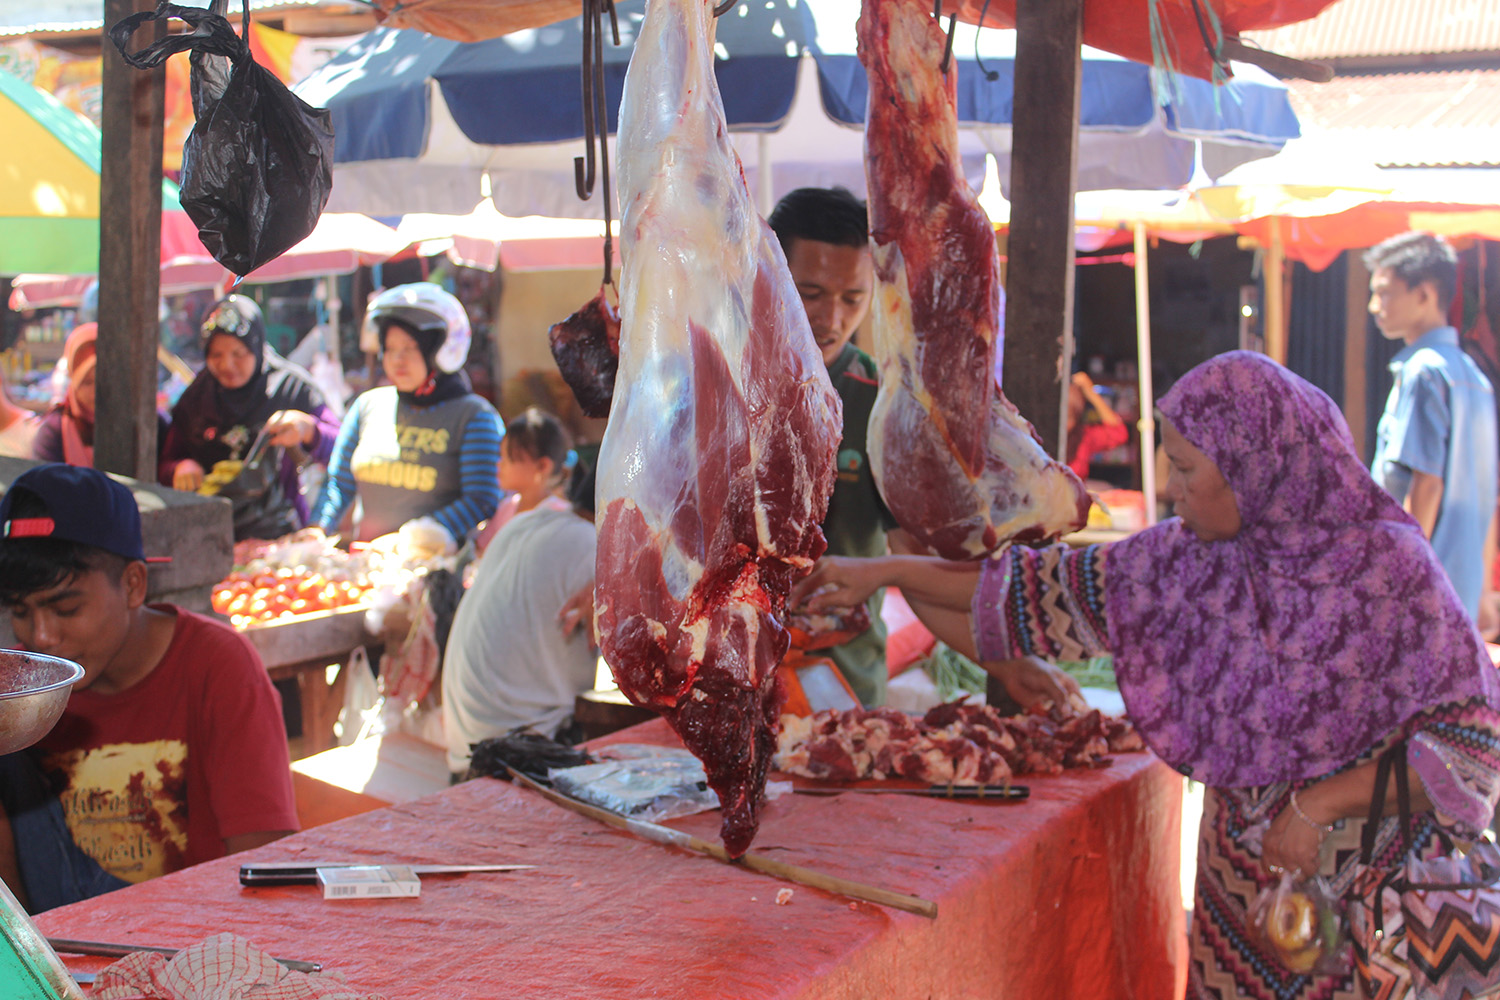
[{"x": 424, "y": 449}]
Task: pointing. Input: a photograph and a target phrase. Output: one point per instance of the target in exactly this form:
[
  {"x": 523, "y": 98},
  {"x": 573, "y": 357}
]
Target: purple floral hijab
[{"x": 1295, "y": 646}]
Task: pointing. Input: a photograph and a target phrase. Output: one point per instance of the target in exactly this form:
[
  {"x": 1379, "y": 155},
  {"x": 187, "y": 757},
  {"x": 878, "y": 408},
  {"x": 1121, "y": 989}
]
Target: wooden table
[
  {"x": 302, "y": 648},
  {"x": 1073, "y": 894}
]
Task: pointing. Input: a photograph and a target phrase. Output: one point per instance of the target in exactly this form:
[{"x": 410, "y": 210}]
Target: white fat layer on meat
[{"x": 698, "y": 629}]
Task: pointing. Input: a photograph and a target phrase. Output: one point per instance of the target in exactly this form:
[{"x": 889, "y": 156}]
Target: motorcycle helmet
[{"x": 436, "y": 319}]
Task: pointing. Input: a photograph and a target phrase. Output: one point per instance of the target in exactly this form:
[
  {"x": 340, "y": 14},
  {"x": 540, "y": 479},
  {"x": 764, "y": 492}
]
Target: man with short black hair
[
  {"x": 171, "y": 750},
  {"x": 824, "y": 233},
  {"x": 1436, "y": 449}
]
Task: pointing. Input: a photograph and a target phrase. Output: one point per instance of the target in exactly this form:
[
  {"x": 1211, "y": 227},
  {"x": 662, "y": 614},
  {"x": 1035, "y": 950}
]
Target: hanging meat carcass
[
  {"x": 717, "y": 465},
  {"x": 956, "y": 463}
]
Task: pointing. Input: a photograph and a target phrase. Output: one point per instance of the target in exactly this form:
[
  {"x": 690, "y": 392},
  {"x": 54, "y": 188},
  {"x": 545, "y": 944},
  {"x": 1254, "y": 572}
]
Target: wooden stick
[
  {"x": 105, "y": 950},
  {"x": 1275, "y": 62},
  {"x": 780, "y": 869}
]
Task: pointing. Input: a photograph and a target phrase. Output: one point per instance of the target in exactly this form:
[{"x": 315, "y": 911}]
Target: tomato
[
  {"x": 220, "y": 599},
  {"x": 238, "y": 605},
  {"x": 300, "y": 606},
  {"x": 310, "y": 587}
]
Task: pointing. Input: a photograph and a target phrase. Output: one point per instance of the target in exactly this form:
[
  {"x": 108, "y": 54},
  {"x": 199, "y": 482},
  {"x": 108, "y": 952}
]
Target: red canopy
[
  {"x": 1119, "y": 26},
  {"x": 1124, "y": 26}
]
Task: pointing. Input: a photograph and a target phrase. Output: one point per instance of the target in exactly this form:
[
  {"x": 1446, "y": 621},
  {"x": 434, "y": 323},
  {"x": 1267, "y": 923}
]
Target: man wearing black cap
[{"x": 171, "y": 750}]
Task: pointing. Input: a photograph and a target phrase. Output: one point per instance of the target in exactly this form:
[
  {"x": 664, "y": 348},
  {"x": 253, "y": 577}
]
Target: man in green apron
[{"x": 824, "y": 234}]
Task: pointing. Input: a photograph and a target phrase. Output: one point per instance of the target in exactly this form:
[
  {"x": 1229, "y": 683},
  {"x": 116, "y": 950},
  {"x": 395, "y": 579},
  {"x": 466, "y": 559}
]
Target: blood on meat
[{"x": 718, "y": 461}]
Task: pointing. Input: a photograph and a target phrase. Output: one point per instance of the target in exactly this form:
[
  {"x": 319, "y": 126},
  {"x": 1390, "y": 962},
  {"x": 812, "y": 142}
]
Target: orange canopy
[{"x": 1124, "y": 26}]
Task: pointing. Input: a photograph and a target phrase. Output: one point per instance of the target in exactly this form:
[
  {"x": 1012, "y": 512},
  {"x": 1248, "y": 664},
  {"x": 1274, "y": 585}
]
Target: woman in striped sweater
[{"x": 422, "y": 451}]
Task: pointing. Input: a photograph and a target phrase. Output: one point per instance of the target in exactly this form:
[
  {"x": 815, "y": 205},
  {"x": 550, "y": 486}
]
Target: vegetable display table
[
  {"x": 1074, "y": 893},
  {"x": 301, "y": 648}
]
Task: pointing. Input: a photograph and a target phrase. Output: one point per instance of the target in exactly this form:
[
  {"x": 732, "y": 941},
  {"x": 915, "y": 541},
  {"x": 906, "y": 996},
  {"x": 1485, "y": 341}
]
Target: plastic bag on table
[
  {"x": 657, "y": 787},
  {"x": 257, "y": 167},
  {"x": 1301, "y": 922}
]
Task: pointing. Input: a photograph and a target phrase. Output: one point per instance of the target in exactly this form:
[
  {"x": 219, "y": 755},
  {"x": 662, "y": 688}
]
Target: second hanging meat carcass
[
  {"x": 957, "y": 465},
  {"x": 718, "y": 461}
]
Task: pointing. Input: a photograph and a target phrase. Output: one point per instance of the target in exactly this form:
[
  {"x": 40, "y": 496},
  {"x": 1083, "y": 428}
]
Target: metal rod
[{"x": 792, "y": 873}]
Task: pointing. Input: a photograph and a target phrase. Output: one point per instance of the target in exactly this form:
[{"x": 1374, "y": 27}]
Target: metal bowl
[{"x": 34, "y": 691}]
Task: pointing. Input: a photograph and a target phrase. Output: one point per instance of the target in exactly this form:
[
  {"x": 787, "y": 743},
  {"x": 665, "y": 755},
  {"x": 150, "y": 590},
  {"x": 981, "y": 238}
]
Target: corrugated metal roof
[
  {"x": 1353, "y": 28},
  {"x": 1409, "y": 119},
  {"x": 26, "y": 17}
]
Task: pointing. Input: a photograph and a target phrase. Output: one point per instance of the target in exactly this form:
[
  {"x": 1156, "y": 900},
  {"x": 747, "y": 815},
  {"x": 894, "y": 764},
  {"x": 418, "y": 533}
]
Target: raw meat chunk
[
  {"x": 956, "y": 463},
  {"x": 586, "y": 347},
  {"x": 718, "y": 461}
]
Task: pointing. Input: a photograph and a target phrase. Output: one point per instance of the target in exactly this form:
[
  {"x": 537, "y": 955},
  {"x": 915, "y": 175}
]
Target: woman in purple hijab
[{"x": 1270, "y": 641}]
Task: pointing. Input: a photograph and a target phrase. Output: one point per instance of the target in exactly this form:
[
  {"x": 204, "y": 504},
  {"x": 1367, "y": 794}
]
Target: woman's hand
[
  {"x": 187, "y": 476},
  {"x": 838, "y": 582},
  {"x": 1031, "y": 681},
  {"x": 291, "y": 429},
  {"x": 1292, "y": 844},
  {"x": 578, "y": 612}
]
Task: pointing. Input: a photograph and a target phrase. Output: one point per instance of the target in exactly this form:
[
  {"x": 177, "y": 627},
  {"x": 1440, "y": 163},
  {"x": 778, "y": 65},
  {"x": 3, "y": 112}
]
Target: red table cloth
[{"x": 1072, "y": 894}]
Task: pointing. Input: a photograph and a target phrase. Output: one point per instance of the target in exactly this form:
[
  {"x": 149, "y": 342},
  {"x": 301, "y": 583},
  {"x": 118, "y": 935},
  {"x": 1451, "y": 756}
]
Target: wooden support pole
[
  {"x": 1276, "y": 311},
  {"x": 1043, "y": 178},
  {"x": 1146, "y": 424},
  {"x": 129, "y": 257},
  {"x": 1039, "y": 248}
]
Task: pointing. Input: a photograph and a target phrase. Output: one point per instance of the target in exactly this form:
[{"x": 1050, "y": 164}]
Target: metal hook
[
  {"x": 948, "y": 48},
  {"x": 725, "y": 7},
  {"x": 614, "y": 21},
  {"x": 584, "y": 166}
]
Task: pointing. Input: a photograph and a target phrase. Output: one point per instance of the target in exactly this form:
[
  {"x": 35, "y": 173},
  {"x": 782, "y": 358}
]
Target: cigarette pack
[{"x": 367, "y": 881}]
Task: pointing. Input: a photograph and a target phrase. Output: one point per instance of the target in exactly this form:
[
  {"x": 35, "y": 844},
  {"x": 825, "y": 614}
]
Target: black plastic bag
[{"x": 258, "y": 166}]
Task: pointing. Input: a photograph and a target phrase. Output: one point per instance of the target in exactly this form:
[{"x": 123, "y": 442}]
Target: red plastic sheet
[
  {"x": 1073, "y": 894},
  {"x": 1124, "y": 26}
]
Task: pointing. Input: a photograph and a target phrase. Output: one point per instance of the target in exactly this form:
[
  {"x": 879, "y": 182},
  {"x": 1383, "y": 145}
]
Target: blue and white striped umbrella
[{"x": 420, "y": 120}]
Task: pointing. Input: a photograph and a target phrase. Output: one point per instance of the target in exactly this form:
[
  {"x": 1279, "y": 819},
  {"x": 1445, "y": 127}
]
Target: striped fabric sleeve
[
  {"x": 479, "y": 485},
  {"x": 339, "y": 486},
  {"x": 1046, "y": 602},
  {"x": 1455, "y": 750}
]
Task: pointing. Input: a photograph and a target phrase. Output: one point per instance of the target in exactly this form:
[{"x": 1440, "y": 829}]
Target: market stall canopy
[
  {"x": 428, "y": 124},
  {"x": 49, "y": 188},
  {"x": 340, "y": 244},
  {"x": 1311, "y": 200},
  {"x": 1181, "y": 35},
  {"x": 1124, "y": 27}
]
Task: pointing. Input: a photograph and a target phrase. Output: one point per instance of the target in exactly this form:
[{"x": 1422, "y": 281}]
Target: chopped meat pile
[{"x": 954, "y": 743}]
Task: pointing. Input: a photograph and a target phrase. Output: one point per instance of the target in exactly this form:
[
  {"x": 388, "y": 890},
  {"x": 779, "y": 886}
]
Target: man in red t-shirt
[{"x": 171, "y": 750}]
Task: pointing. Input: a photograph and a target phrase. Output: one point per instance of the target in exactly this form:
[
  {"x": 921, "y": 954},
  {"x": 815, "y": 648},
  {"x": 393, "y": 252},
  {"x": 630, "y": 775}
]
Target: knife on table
[
  {"x": 303, "y": 873},
  {"x": 1011, "y": 793}
]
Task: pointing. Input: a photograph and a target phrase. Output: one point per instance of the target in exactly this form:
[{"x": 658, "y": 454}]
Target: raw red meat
[
  {"x": 586, "y": 347},
  {"x": 718, "y": 461},
  {"x": 954, "y": 743},
  {"x": 956, "y": 463}
]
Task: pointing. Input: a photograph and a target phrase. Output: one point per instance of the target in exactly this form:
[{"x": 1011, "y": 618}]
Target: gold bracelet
[{"x": 1304, "y": 817}]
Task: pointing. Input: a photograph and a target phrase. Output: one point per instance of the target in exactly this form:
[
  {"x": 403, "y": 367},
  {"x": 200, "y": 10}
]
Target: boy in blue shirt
[{"x": 1436, "y": 449}]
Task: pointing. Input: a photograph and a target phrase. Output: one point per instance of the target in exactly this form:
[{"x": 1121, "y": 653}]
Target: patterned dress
[{"x": 1049, "y": 603}]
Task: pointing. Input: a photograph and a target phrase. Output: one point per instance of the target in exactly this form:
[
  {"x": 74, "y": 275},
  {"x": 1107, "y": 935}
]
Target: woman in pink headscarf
[
  {"x": 67, "y": 431},
  {"x": 1272, "y": 640}
]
